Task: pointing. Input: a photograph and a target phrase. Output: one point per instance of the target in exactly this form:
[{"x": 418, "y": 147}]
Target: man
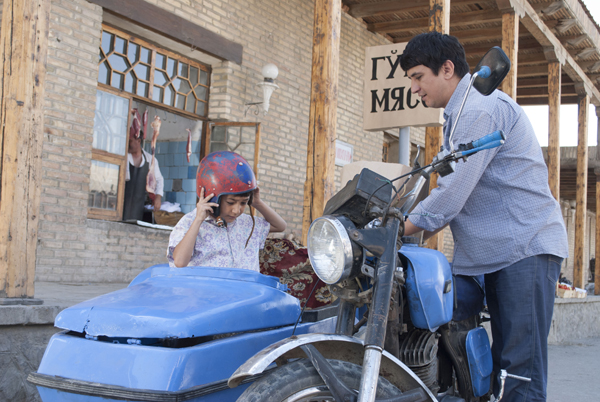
[
  {"x": 505, "y": 223},
  {"x": 138, "y": 166}
]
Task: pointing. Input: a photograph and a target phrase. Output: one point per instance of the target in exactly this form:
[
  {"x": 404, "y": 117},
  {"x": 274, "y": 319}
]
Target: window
[
  {"x": 109, "y": 147},
  {"x": 134, "y": 74},
  {"x": 240, "y": 137},
  {"x": 385, "y": 152},
  {"x": 134, "y": 66}
]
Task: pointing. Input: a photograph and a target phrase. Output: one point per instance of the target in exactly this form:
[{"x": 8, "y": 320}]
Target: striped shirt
[{"x": 498, "y": 203}]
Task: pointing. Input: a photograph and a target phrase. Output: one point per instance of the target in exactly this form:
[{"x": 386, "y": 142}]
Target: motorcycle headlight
[{"x": 332, "y": 255}]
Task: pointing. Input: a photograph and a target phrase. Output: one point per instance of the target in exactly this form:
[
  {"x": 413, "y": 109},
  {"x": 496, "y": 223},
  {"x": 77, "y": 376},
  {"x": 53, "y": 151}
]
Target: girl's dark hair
[{"x": 431, "y": 50}]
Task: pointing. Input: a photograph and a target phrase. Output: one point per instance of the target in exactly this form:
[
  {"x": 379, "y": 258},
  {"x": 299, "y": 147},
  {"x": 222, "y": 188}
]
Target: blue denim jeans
[{"x": 520, "y": 299}]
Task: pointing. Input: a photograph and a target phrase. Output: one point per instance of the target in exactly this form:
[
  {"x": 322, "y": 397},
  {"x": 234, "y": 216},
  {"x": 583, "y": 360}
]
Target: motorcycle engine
[{"x": 418, "y": 350}]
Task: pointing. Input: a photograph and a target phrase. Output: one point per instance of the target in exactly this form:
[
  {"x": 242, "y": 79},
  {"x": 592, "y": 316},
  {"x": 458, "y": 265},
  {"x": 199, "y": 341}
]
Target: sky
[{"x": 568, "y": 113}]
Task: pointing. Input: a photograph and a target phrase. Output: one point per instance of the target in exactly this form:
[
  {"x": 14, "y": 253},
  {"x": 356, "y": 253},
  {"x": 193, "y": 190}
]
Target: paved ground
[
  {"x": 66, "y": 295},
  {"x": 573, "y": 371},
  {"x": 573, "y": 367}
]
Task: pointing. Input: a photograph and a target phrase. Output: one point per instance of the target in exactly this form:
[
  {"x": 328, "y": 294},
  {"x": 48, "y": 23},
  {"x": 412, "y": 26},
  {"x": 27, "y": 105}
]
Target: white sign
[
  {"x": 344, "y": 153},
  {"x": 388, "y": 102}
]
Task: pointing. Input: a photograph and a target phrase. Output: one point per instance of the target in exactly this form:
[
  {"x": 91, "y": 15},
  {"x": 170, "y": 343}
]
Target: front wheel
[{"x": 300, "y": 382}]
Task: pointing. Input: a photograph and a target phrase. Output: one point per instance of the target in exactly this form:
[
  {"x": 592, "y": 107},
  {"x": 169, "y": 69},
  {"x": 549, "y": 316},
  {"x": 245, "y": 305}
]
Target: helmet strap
[{"x": 253, "y": 223}]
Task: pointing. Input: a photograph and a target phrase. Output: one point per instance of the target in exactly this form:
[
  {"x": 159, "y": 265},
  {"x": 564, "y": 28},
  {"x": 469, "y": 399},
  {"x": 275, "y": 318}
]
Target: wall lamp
[{"x": 269, "y": 72}]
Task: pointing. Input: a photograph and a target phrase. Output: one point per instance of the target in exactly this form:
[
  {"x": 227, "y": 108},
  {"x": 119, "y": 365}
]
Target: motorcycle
[
  {"x": 395, "y": 333},
  {"x": 420, "y": 337}
]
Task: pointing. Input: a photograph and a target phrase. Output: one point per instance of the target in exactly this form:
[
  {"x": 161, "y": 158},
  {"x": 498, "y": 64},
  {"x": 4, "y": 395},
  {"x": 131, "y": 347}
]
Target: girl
[{"x": 218, "y": 233}]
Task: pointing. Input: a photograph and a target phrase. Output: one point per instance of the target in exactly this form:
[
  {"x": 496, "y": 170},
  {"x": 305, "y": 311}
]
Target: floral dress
[{"x": 223, "y": 247}]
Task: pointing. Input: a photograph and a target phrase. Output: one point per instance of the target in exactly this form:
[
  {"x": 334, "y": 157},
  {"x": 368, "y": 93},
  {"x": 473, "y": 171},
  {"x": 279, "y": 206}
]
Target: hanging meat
[
  {"x": 188, "y": 148},
  {"x": 151, "y": 178},
  {"x": 145, "y": 122},
  {"x": 136, "y": 125},
  {"x": 155, "y": 131}
]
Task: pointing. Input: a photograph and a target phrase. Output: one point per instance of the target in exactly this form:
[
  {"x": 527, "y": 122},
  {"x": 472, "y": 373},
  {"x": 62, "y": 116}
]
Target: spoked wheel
[{"x": 300, "y": 382}]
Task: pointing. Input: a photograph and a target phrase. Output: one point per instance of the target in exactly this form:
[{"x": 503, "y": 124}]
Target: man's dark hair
[{"x": 432, "y": 49}]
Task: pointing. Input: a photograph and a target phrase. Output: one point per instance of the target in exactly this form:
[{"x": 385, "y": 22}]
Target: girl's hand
[
  {"x": 277, "y": 223},
  {"x": 256, "y": 197},
  {"x": 204, "y": 207}
]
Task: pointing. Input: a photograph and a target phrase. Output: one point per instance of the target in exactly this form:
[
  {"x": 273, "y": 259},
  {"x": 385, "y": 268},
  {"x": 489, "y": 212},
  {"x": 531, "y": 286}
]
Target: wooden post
[
  {"x": 581, "y": 192},
  {"x": 554, "y": 93},
  {"x": 597, "y": 246},
  {"x": 597, "y": 171},
  {"x": 439, "y": 21},
  {"x": 23, "y": 49},
  {"x": 320, "y": 163},
  {"x": 510, "y": 45},
  {"x": 439, "y": 16}
]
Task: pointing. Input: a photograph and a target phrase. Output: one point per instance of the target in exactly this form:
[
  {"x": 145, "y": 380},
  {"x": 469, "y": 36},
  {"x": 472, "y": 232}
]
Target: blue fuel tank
[{"x": 429, "y": 286}]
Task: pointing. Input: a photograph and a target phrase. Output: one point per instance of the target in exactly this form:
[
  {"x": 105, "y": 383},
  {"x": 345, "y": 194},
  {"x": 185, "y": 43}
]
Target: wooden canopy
[{"x": 561, "y": 30}]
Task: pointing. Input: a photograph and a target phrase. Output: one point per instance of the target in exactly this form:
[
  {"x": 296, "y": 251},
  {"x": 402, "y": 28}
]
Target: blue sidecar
[{"x": 171, "y": 335}]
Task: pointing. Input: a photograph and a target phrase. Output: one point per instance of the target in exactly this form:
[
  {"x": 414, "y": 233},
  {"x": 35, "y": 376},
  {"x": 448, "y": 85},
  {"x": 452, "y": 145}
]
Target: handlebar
[
  {"x": 489, "y": 145},
  {"x": 497, "y": 135},
  {"x": 492, "y": 140}
]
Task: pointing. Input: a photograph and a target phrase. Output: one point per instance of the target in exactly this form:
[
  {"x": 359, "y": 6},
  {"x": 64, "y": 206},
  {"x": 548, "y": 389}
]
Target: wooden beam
[
  {"x": 532, "y": 59},
  {"x": 390, "y": 7},
  {"x": 566, "y": 90},
  {"x": 541, "y": 82},
  {"x": 386, "y": 7},
  {"x": 478, "y": 49},
  {"x": 533, "y": 71},
  {"x": 544, "y": 35},
  {"x": 564, "y": 100},
  {"x": 510, "y": 45},
  {"x": 439, "y": 21},
  {"x": 320, "y": 164},
  {"x": 457, "y": 20},
  {"x": 549, "y": 7},
  {"x": 554, "y": 94},
  {"x": 23, "y": 49},
  {"x": 174, "y": 27},
  {"x": 477, "y": 34},
  {"x": 581, "y": 196}
]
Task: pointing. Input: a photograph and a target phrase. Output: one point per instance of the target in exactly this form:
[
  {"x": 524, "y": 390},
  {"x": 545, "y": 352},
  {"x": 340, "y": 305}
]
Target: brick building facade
[{"x": 73, "y": 247}]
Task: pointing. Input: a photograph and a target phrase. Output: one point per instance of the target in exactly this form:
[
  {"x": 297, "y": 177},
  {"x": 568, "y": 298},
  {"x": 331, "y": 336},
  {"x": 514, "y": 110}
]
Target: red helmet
[{"x": 224, "y": 172}]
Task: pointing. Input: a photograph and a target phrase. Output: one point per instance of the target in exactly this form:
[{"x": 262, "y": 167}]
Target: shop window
[
  {"x": 136, "y": 75},
  {"x": 171, "y": 154}
]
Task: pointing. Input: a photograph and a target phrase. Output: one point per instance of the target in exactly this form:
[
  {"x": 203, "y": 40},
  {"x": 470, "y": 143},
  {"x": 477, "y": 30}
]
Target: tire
[{"x": 299, "y": 382}]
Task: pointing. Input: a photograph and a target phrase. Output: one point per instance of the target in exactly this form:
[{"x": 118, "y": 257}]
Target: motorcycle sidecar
[{"x": 173, "y": 334}]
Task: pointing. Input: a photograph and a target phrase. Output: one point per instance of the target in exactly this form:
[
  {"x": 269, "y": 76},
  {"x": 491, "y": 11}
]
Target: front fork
[{"x": 380, "y": 306}]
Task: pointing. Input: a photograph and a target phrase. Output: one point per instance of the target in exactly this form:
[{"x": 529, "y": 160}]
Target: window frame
[
  {"x": 155, "y": 48},
  {"x": 206, "y": 142},
  {"x": 121, "y": 160}
]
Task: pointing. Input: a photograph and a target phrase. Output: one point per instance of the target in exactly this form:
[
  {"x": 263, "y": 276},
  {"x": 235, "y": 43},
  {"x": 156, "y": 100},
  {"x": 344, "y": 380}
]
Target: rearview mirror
[{"x": 499, "y": 65}]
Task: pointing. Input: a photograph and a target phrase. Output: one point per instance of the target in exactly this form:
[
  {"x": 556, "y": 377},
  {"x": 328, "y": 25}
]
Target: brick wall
[
  {"x": 73, "y": 248},
  {"x": 281, "y": 33}
]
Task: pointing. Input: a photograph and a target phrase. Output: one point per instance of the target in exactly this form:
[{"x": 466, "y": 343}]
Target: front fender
[{"x": 337, "y": 347}]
